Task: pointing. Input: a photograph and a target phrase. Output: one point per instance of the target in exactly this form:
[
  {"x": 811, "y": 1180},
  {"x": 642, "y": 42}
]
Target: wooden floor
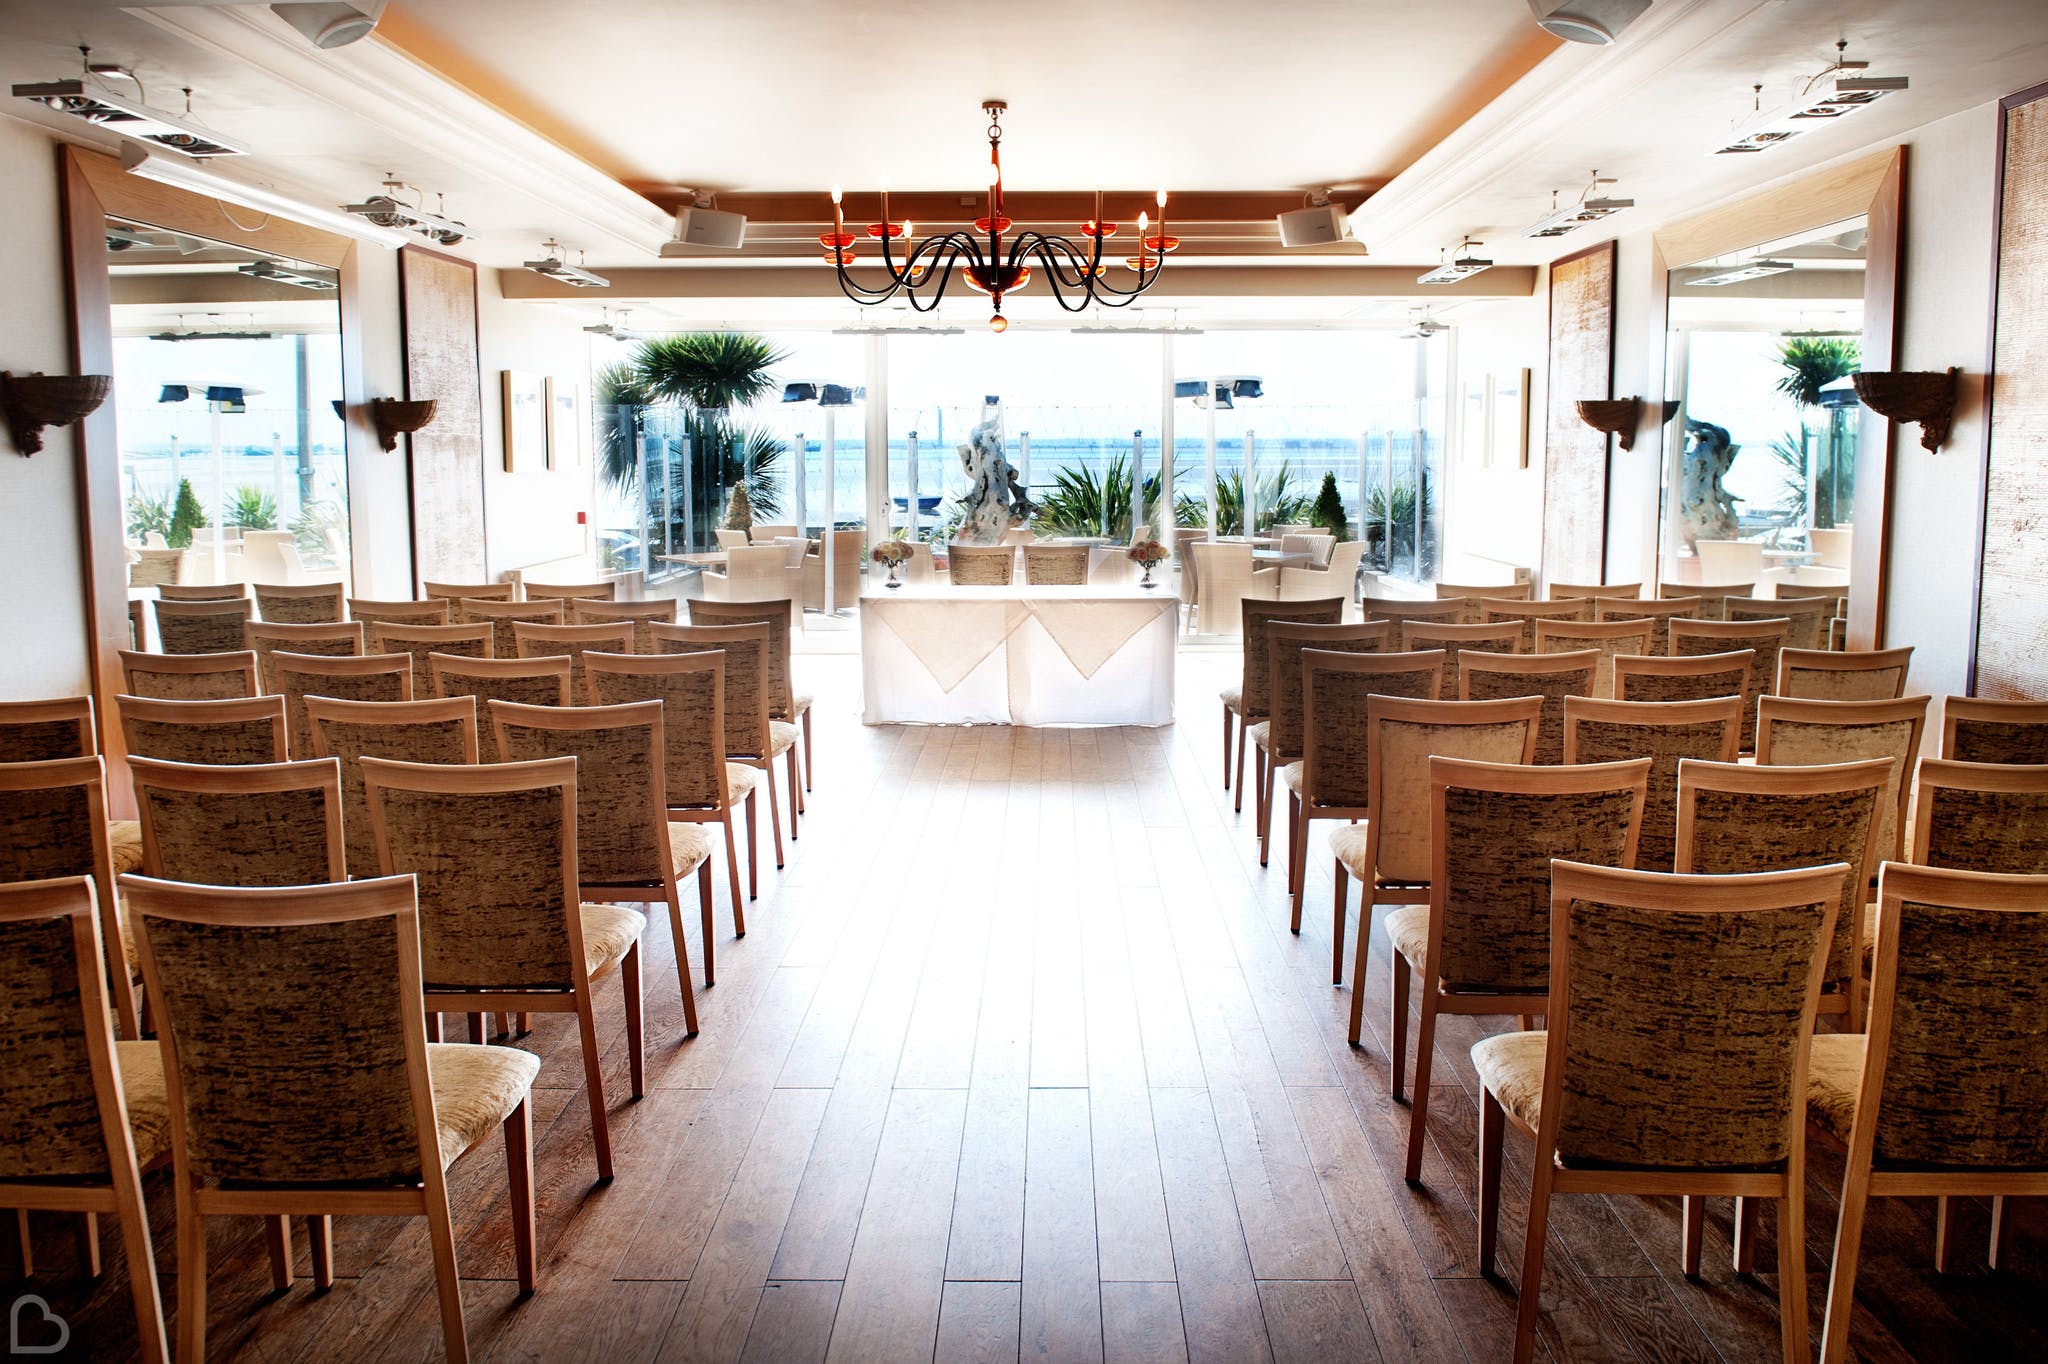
[{"x": 1018, "y": 1058}]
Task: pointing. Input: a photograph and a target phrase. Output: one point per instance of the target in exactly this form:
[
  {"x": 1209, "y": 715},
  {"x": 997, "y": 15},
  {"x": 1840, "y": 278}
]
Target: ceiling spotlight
[
  {"x": 1591, "y": 208},
  {"x": 87, "y": 98},
  {"x": 556, "y": 267},
  {"x": 389, "y": 210},
  {"x": 1586, "y": 21},
  {"x": 1421, "y": 326},
  {"x": 282, "y": 274},
  {"x": 1756, "y": 269},
  {"x": 1464, "y": 265},
  {"x": 617, "y": 331},
  {"x": 1835, "y": 93},
  {"x": 331, "y": 25}
]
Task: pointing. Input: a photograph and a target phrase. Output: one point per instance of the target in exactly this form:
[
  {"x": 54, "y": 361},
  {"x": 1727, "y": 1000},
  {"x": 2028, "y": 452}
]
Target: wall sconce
[
  {"x": 34, "y": 401},
  {"x": 1612, "y": 417},
  {"x": 394, "y": 417},
  {"x": 1924, "y": 396}
]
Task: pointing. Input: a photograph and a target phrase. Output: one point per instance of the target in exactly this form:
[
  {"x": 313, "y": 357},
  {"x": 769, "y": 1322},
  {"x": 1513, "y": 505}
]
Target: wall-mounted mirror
[
  {"x": 1760, "y": 468},
  {"x": 227, "y": 369}
]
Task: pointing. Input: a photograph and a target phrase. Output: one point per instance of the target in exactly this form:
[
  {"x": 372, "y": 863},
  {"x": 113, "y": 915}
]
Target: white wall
[
  {"x": 1496, "y": 511},
  {"x": 42, "y": 615},
  {"x": 379, "y": 492},
  {"x": 1634, "y": 476},
  {"x": 530, "y": 518}
]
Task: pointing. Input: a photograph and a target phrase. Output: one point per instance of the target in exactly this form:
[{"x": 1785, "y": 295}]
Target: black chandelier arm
[
  {"x": 1095, "y": 285},
  {"x": 1055, "y": 254},
  {"x": 950, "y": 245}
]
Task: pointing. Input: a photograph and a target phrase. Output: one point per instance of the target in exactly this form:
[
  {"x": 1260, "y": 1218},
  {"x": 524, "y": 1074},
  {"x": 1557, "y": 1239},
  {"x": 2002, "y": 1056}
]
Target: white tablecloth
[{"x": 1018, "y": 656}]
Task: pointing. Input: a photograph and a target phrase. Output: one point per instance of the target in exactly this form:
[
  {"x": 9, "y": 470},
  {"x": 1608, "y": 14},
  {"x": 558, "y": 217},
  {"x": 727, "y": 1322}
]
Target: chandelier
[{"x": 1074, "y": 273}]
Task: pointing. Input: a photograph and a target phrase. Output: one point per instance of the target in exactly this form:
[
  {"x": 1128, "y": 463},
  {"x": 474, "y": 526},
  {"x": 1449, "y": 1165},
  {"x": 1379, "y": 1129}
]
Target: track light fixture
[
  {"x": 1591, "y": 207},
  {"x": 555, "y": 265},
  {"x": 389, "y": 210},
  {"x": 1464, "y": 265}
]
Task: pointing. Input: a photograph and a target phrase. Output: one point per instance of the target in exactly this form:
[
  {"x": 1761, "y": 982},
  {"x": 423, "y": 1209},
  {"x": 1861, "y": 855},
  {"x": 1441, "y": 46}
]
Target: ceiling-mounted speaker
[
  {"x": 328, "y": 25},
  {"x": 1318, "y": 226},
  {"x": 706, "y": 227},
  {"x": 1587, "y": 21}
]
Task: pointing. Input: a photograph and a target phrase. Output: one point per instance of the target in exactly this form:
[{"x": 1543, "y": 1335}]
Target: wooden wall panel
[
  {"x": 1574, "y": 454},
  {"x": 438, "y": 308},
  {"x": 2012, "y": 606}
]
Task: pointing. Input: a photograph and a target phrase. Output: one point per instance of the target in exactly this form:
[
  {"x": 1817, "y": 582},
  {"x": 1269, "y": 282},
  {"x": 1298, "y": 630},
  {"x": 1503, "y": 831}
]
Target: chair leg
[
  {"x": 1297, "y": 857},
  {"x": 796, "y": 790},
  {"x": 320, "y": 1232},
  {"x": 593, "y": 1078},
  {"x": 1397, "y": 1031},
  {"x": 1226, "y": 747},
  {"x": 519, "y": 1173},
  {"x": 1692, "y": 1230},
  {"x": 24, "y": 1239},
  {"x": 1244, "y": 726},
  {"x": 89, "y": 1244},
  {"x": 1293, "y": 845},
  {"x": 433, "y": 1027},
  {"x": 704, "y": 913},
  {"x": 1418, "y": 1103},
  {"x": 191, "y": 1279},
  {"x": 277, "y": 1239},
  {"x": 1269, "y": 767},
  {"x": 1341, "y": 879},
  {"x": 732, "y": 869},
  {"x": 636, "y": 1021},
  {"x": 1531, "y": 1298},
  {"x": 774, "y": 810},
  {"x": 1745, "y": 1235},
  {"x": 1792, "y": 1309},
  {"x": 1492, "y": 1136},
  {"x": 133, "y": 1220},
  {"x": 810, "y": 760},
  {"x": 2001, "y": 1232},
  {"x": 753, "y": 850},
  {"x": 1834, "y": 1340},
  {"x": 1361, "y": 948},
  {"x": 1944, "y": 1234},
  {"x": 675, "y": 928},
  {"x": 447, "y": 1283}
]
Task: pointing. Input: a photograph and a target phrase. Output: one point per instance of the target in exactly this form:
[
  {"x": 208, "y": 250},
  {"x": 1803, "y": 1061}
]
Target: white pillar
[
  {"x": 1167, "y": 510},
  {"x": 911, "y": 501},
  {"x": 796, "y": 480},
  {"x": 1209, "y": 447},
  {"x": 831, "y": 503},
  {"x": 1137, "y": 485},
  {"x": 1024, "y": 461},
  {"x": 1251, "y": 482}
]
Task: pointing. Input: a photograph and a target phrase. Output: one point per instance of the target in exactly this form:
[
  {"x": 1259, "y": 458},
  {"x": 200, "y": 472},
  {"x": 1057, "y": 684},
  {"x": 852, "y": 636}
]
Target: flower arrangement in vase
[
  {"x": 1145, "y": 554},
  {"x": 892, "y": 555}
]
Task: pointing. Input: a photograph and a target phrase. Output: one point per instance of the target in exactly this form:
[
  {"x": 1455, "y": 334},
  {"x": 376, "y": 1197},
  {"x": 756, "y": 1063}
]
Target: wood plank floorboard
[{"x": 1018, "y": 1059}]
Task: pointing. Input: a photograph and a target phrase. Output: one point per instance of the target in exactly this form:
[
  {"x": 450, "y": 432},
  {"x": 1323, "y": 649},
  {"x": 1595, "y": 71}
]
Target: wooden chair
[
  {"x": 607, "y": 590},
  {"x": 528, "y": 681},
  {"x": 462, "y": 592},
  {"x": 981, "y": 565},
  {"x": 335, "y": 639},
  {"x": 1473, "y": 596},
  {"x": 1493, "y": 610},
  {"x": 1713, "y": 596},
  {"x": 1605, "y": 637},
  {"x": 1224, "y": 577},
  {"x": 258, "y": 824},
  {"x": 100, "y": 1113},
  {"x": 1279, "y": 735},
  {"x": 1944, "y": 1095},
  {"x": 501, "y": 616},
  {"x": 1682, "y": 1080},
  {"x": 359, "y": 1115},
  {"x": 1834, "y": 675},
  {"x": 1735, "y": 817},
  {"x": 55, "y": 815},
  {"x": 753, "y": 738},
  {"x": 1332, "y": 780},
  {"x": 493, "y": 850},
  {"x": 40, "y": 731},
  {"x": 440, "y": 730},
  {"x": 1689, "y": 677},
  {"x": 1976, "y": 730},
  {"x": 1592, "y": 591},
  {"x": 533, "y": 640},
  {"x": 202, "y": 591},
  {"x": 1791, "y": 732},
  {"x": 757, "y": 573},
  {"x": 785, "y": 702},
  {"x": 626, "y": 846},
  {"x": 763, "y": 532},
  {"x": 1390, "y": 852},
  {"x": 1806, "y": 617},
  {"x": 202, "y": 627},
  {"x": 698, "y": 782},
  {"x": 1981, "y": 817},
  {"x": 1665, "y": 732},
  {"x": 1500, "y": 637},
  {"x": 301, "y": 603},
  {"x": 1658, "y": 613},
  {"x": 1247, "y": 704},
  {"x": 1443, "y": 611},
  {"x": 138, "y": 624},
  {"x": 640, "y": 614},
  {"x": 1055, "y": 565},
  {"x": 373, "y": 613},
  {"x": 1765, "y": 638},
  {"x": 190, "y": 677},
  {"x": 1339, "y": 577},
  {"x": 1482, "y": 943},
  {"x": 373, "y": 677},
  {"x": 422, "y": 642},
  {"x": 224, "y": 733},
  {"x": 1496, "y": 677}
]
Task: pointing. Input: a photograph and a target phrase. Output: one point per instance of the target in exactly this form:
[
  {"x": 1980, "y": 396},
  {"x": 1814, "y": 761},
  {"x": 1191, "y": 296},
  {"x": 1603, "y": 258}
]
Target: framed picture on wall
[
  {"x": 1509, "y": 442},
  {"x": 1472, "y": 393},
  {"x": 566, "y": 423},
  {"x": 526, "y": 422}
]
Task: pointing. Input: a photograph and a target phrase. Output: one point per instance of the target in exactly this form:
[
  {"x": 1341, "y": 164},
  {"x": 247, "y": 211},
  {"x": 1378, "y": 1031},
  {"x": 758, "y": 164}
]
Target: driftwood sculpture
[
  {"x": 1706, "y": 509},
  {"x": 994, "y": 502}
]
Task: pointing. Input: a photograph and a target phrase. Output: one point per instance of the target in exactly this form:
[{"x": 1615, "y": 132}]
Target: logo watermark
[{"x": 36, "y": 1327}]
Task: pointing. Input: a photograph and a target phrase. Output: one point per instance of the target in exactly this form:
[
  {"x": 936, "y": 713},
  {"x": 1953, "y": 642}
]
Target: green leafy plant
[
  {"x": 252, "y": 509},
  {"x": 1278, "y": 501},
  {"x": 149, "y": 515},
  {"x": 320, "y": 530},
  {"x": 186, "y": 517},
  {"x": 1813, "y": 362},
  {"x": 1328, "y": 511},
  {"x": 1085, "y": 502},
  {"x": 1395, "y": 509}
]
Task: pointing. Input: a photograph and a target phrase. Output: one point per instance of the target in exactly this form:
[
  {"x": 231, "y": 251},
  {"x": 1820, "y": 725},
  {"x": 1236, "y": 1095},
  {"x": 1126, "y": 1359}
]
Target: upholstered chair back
[
  {"x": 501, "y": 616},
  {"x": 776, "y": 615},
  {"x": 51, "y": 990},
  {"x": 1592, "y": 591},
  {"x": 1335, "y": 688},
  {"x": 1658, "y": 613},
  {"x": 1285, "y": 641},
  {"x": 1055, "y": 565},
  {"x": 1445, "y": 610},
  {"x": 1838, "y": 675},
  {"x": 691, "y": 690},
  {"x": 1974, "y": 730},
  {"x": 564, "y": 592},
  {"x": 640, "y": 614},
  {"x": 1498, "y": 637},
  {"x": 1493, "y": 609},
  {"x": 260, "y": 824},
  {"x": 1256, "y": 614},
  {"x": 572, "y": 641},
  {"x": 1474, "y": 596},
  {"x": 1806, "y": 617},
  {"x": 333, "y": 639},
  {"x": 41, "y": 731},
  {"x": 201, "y": 591},
  {"x": 1643, "y": 677},
  {"x": 1665, "y": 732},
  {"x": 371, "y": 677},
  {"x": 1981, "y": 817},
  {"x": 301, "y": 603},
  {"x": 202, "y": 627},
  {"x": 981, "y": 565},
  {"x": 421, "y": 642},
  {"x": 462, "y": 592},
  {"x": 1764, "y": 638},
  {"x": 1494, "y": 677},
  {"x": 190, "y": 677},
  {"x": 1402, "y": 735},
  {"x": 55, "y": 816},
  {"x": 746, "y": 678},
  {"x": 442, "y": 730},
  {"x": 1799, "y": 732},
  {"x": 621, "y": 798},
  {"x": 528, "y": 681},
  {"x": 1605, "y": 637},
  {"x": 372, "y": 613},
  {"x": 226, "y": 733}
]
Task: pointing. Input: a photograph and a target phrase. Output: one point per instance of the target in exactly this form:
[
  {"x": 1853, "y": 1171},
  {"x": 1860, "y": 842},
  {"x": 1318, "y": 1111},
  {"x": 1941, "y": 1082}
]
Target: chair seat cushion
[
  {"x": 149, "y": 1101},
  {"x": 1260, "y": 732},
  {"x": 609, "y": 933},
  {"x": 1233, "y": 699},
  {"x": 1408, "y": 930},
  {"x": 1347, "y": 845},
  {"x": 781, "y": 734},
  {"x": 1290, "y": 777},
  {"x": 689, "y": 845},
  {"x": 799, "y": 702},
  {"x": 1834, "y": 1074},
  {"x": 741, "y": 780},
  {"x": 1510, "y": 1065},
  {"x": 124, "y": 841},
  {"x": 475, "y": 1089}
]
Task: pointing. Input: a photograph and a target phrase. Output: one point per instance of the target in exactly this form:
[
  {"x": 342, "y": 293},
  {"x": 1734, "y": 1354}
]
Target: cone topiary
[
  {"x": 1328, "y": 511},
  {"x": 186, "y": 517},
  {"x": 739, "y": 510}
]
